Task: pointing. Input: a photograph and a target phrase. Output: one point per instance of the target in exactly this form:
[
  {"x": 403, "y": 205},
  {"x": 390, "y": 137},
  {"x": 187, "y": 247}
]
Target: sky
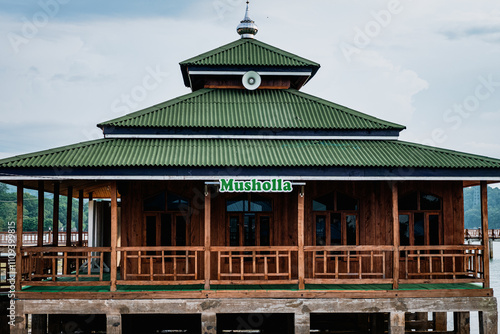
[{"x": 431, "y": 65}]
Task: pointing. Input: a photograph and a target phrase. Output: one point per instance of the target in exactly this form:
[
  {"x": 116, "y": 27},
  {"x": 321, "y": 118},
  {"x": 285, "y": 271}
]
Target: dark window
[
  {"x": 420, "y": 219},
  {"x": 166, "y": 216},
  {"x": 336, "y": 220},
  {"x": 409, "y": 202},
  {"x": 155, "y": 203},
  {"x": 249, "y": 225},
  {"x": 320, "y": 230}
]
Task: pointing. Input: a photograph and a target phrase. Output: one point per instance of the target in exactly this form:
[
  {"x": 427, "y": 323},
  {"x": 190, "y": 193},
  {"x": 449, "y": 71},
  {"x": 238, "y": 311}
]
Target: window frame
[
  {"x": 241, "y": 221},
  {"x": 427, "y": 214},
  {"x": 343, "y": 214}
]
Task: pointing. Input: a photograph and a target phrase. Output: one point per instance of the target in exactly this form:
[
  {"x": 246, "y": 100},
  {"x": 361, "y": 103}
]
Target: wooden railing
[
  {"x": 348, "y": 264},
  {"x": 477, "y": 234},
  {"x": 31, "y": 238},
  {"x": 161, "y": 265},
  {"x": 66, "y": 266},
  {"x": 442, "y": 264},
  {"x": 62, "y": 266},
  {"x": 255, "y": 265}
]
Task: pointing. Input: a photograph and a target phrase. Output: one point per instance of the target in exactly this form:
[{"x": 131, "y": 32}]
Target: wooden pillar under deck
[
  {"x": 302, "y": 323},
  {"x": 114, "y": 234},
  {"x": 208, "y": 323},
  {"x": 488, "y": 322},
  {"x": 19, "y": 233},
  {"x": 484, "y": 226},
  {"x": 39, "y": 323},
  {"x": 461, "y": 322},
  {"x": 440, "y": 320},
  {"x": 41, "y": 212},
  {"x": 113, "y": 324},
  {"x": 207, "y": 237},
  {"x": 69, "y": 216},
  {"x": 300, "y": 228},
  {"x": 80, "y": 218},
  {"x": 397, "y": 323},
  {"x": 55, "y": 215},
  {"x": 396, "y": 241}
]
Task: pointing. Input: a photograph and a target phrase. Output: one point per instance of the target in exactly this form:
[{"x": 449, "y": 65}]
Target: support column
[
  {"x": 484, "y": 226},
  {"x": 208, "y": 242},
  {"x": 302, "y": 323},
  {"x": 113, "y": 324},
  {"x": 38, "y": 324},
  {"x": 396, "y": 241},
  {"x": 80, "y": 218},
  {"x": 461, "y": 323},
  {"x": 55, "y": 221},
  {"x": 114, "y": 234},
  {"x": 41, "y": 212},
  {"x": 19, "y": 234},
  {"x": 208, "y": 323},
  {"x": 69, "y": 216},
  {"x": 440, "y": 321},
  {"x": 300, "y": 243},
  {"x": 20, "y": 323},
  {"x": 397, "y": 323},
  {"x": 488, "y": 322}
]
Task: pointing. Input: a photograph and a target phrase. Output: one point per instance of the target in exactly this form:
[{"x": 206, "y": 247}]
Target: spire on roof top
[{"x": 247, "y": 28}]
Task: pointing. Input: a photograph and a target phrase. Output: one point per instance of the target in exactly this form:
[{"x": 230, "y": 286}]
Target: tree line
[
  {"x": 472, "y": 208},
  {"x": 8, "y": 210}
]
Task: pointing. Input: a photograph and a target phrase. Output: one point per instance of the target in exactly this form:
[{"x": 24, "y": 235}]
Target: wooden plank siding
[{"x": 375, "y": 219}]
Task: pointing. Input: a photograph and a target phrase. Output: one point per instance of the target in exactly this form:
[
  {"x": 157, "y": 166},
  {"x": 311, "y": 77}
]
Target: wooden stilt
[
  {"x": 19, "y": 233},
  {"x": 41, "y": 212},
  {"x": 69, "y": 216},
  {"x": 207, "y": 237},
  {"x": 396, "y": 241},
  {"x": 114, "y": 234},
  {"x": 80, "y": 218},
  {"x": 302, "y": 323},
  {"x": 300, "y": 228},
  {"x": 488, "y": 322},
  {"x": 485, "y": 240},
  {"x": 55, "y": 221},
  {"x": 114, "y": 324},
  {"x": 209, "y": 323},
  {"x": 38, "y": 324},
  {"x": 397, "y": 323},
  {"x": 461, "y": 322}
]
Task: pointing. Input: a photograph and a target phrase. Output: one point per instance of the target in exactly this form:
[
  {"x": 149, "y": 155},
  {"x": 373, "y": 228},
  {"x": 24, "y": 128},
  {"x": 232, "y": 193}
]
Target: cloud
[{"x": 478, "y": 25}]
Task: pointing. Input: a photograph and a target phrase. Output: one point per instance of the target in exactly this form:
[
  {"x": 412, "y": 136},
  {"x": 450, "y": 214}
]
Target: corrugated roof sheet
[
  {"x": 249, "y": 52},
  {"x": 265, "y": 109},
  {"x": 247, "y": 153}
]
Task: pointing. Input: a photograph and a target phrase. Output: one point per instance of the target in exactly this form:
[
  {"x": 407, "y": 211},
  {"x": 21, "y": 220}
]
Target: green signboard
[{"x": 254, "y": 185}]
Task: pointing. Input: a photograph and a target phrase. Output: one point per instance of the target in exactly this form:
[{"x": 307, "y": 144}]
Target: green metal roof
[
  {"x": 249, "y": 52},
  {"x": 263, "y": 109},
  {"x": 248, "y": 153}
]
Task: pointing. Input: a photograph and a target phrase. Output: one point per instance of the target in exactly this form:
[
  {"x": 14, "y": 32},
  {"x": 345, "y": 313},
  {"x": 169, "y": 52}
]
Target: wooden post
[
  {"x": 397, "y": 323},
  {"x": 208, "y": 242},
  {"x": 39, "y": 323},
  {"x": 55, "y": 222},
  {"x": 114, "y": 234},
  {"x": 209, "y": 323},
  {"x": 396, "y": 241},
  {"x": 41, "y": 211},
  {"x": 484, "y": 226},
  {"x": 302, "y": 323},
  {"x": 69, "y": 216},
  {"x": 80, "y": 218},
  {"x": 19, "y": 234},
  {"x": 300, "y": 228},
  {"x": 114, "y": 324},
  {"x": 488, "y": 322},
  {"x": 461, "y": 323},
  {"x": 440, "y": 320}
]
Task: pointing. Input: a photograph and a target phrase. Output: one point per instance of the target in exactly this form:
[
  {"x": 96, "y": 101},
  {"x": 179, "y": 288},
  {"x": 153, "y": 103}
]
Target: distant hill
[{"x": 472, "y": 207}]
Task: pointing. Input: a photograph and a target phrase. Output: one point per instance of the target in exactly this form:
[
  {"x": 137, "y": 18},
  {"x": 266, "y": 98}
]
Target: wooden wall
[{"x": 375, "y": 222}]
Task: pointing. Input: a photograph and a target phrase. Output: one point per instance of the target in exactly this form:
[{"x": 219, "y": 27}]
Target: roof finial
[{"x": 247, "y": 28}]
